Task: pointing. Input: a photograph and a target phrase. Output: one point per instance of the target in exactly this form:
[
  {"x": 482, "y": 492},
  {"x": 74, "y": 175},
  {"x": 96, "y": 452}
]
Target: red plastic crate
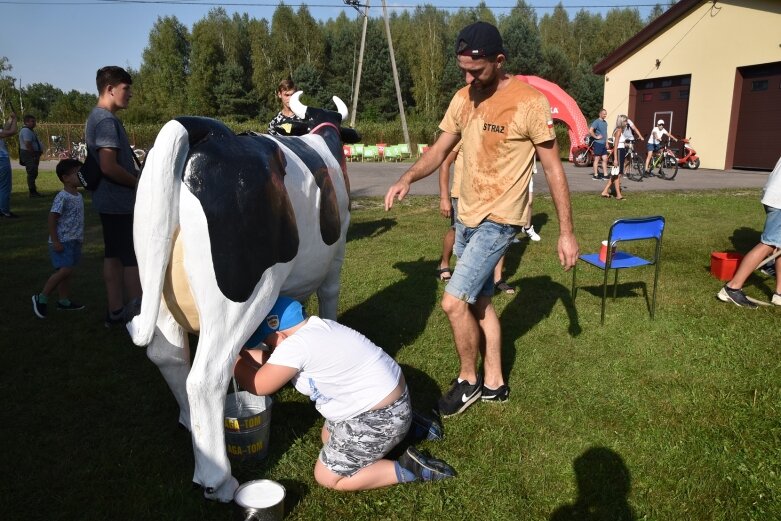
[{"x": 723, "y": 264}]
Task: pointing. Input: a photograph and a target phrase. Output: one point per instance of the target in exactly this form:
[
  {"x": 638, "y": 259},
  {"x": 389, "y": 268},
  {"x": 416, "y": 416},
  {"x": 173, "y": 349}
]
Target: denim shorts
[
  {"x": 771, "y": 234},
  {"x": 478, "y": 250},
  {"x": 651, "y": 147},
  {"x": 599, "y": 149},
  {"x": 358, "y": 442},
  {"x": 68, "y": 257}
]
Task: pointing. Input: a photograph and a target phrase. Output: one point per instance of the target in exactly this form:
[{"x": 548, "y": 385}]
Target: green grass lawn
[{"x": 671, "y": 419}]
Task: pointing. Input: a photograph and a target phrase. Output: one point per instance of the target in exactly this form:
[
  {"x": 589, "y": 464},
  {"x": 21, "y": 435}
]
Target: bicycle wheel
[
  {"x": 636, "y": 167},
  {"x": 669, "y": 168}
]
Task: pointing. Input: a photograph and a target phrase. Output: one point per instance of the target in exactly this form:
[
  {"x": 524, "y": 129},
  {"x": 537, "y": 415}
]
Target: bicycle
[
  {"x": 57, "y": 150},
  {"x": 79, "y": 151},
  {"x": 667, "y": 163},
  {"x": 634, "y": 165}
]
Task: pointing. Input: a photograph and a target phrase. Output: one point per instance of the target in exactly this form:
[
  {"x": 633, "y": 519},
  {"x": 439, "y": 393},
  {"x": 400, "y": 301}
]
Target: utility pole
[
  {"x": 354, "y": 3},
  {"x": 395, "y": 75}
]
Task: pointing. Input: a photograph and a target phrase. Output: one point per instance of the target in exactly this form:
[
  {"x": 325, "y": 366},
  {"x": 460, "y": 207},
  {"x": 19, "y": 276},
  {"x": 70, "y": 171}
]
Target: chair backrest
[
  {"x": 358, "y": 149},
  {"x": 403, "y": 149},
  {"x": 370, "y": 152},
  {"x": 391, "y": 152},
  {"x": 348, "y": 151},
  {"x": 637, "y": 228}
]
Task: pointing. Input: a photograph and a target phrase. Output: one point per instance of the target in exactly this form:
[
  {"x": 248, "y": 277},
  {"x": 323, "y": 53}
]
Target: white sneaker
[
  {"x": 532, "y": 234},
  {"x": 776, "y": 300}
]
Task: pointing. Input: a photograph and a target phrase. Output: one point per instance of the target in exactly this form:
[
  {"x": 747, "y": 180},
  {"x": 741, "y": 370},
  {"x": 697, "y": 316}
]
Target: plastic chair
[
  {"x": 625, "y": 230},
  {"x": 422, "y": 148},
  {"x": 404, "y": 151},
  {"x": 381, "y": 150},
  {"x": 348, "y": 152},
  {"x": 391, "y": 153},
  {"x": 358, "y": 151},
  {"x": 370, "y": 152}
]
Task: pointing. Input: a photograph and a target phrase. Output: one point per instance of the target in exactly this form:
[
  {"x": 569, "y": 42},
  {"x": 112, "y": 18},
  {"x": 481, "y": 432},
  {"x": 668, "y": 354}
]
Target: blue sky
[{"x": 63, "y": 42}]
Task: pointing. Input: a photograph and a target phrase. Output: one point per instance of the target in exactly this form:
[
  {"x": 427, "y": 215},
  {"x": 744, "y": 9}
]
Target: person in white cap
[
  {"x": 356, "y": 386},
  {"x": 654, "y": 140}
]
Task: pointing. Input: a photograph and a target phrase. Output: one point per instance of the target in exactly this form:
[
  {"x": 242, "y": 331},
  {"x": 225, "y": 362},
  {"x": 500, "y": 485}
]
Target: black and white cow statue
[{"x": 225, "y": 223}]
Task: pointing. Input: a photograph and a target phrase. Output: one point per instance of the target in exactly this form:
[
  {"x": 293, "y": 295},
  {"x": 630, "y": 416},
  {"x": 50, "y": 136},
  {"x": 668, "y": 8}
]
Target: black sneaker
[
  {"x": 39, "y": 308},
  {"x": 736, "y": 296},
  {"x": 71, "y": 306},
  {"x": 459, "y": 397},
  {"x": 495, "y": 395},
  {"x": 425, "y": 468},
  {"x": 769, "y": 270},
  {"x": 9, "y": 215}
]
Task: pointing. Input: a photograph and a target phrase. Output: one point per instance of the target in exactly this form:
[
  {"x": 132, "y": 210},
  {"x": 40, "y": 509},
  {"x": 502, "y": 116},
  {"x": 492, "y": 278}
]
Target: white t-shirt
[
  {"x": 340, "y": 370},
  {"x": 772, "y": 193},
  {"x": 656, "y": 135}
]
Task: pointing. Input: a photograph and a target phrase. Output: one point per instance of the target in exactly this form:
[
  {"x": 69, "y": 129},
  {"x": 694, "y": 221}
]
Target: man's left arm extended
[{"x": 548, "y": 153}]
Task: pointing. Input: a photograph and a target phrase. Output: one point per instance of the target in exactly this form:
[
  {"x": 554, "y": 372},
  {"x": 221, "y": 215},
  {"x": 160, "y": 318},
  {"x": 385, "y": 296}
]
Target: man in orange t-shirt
[{"x": 503, "y": 123}]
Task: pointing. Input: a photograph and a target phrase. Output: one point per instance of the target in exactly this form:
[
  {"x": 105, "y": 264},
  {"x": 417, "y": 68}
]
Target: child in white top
[
  {"x": 66, "y": 234},
  {"x": 356, "y": 386}
]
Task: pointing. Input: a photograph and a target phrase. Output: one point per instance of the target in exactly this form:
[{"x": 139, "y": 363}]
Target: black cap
[{"x": 478, "y": 40}]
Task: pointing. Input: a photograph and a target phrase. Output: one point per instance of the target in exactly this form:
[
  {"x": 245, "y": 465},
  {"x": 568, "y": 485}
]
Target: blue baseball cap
[{"x": 285, "y": 313}]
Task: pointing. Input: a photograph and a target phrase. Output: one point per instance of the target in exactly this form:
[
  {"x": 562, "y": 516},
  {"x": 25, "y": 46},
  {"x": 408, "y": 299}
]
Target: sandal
[
  {"x": 501, "y": 285},
  {"x": 606, "y": 196},
  {"x": 443, "y": 274}
]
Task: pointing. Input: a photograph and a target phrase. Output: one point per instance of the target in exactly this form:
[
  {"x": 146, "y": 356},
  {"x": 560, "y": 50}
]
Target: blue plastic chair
[{"x": 625, "y": 230}]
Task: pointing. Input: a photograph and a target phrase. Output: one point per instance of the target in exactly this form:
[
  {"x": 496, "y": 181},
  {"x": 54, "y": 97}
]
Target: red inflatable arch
[{"x": 562, "y": 107}]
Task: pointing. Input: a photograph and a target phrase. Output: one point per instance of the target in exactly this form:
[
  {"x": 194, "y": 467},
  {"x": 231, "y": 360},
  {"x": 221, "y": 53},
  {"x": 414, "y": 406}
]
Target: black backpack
[{"x": 90, "y": 173}]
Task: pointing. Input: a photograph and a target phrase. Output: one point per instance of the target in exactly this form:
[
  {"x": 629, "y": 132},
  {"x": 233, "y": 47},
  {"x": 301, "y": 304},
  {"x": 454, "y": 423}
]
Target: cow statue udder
[{"x": 225, "y": 223}]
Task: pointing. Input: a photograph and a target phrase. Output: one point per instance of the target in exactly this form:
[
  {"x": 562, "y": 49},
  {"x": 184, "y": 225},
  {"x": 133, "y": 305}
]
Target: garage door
[
  {"x": 661, "y": 98},
  {"x": 757, "y": 143}
]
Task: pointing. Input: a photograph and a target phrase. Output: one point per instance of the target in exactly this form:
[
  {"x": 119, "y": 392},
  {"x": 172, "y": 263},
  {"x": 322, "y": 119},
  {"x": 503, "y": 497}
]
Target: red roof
[{"x": 648, "y": 33}]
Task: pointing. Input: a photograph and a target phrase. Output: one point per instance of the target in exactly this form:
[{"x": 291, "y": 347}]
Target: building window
[
  {"x": 664, "y": 96},
  {"x": 686, "y": 80},
  {"x": 667, "y": 83},
  {"x": 683, "y": 94},
  {"x": 757, "y": 85},
  {"x": 648, "y": 85},
  {"x": 648, "y": 97}
]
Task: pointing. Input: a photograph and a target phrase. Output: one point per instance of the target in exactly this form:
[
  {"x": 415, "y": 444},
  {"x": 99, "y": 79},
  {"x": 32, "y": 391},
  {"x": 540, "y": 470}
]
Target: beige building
[{"x": 712, "y": 71}]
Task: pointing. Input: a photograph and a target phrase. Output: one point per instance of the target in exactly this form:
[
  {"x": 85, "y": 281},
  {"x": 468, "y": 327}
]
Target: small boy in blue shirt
[{"x": 66, "y": 234}]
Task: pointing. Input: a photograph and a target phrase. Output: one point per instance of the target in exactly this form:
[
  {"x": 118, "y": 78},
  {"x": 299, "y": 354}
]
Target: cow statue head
[{"x": 313, "y": 117}]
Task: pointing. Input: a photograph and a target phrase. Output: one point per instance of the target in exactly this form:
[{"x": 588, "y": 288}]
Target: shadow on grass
[
  {"x": 363, "y": 230},
  {"x": 604, "y": 484},
  {"x": 744, "y": 238},
  {"x": 533, "y": 302},
  {"x": 417, "y": 290},
  {"x": 512, "y": 259}
]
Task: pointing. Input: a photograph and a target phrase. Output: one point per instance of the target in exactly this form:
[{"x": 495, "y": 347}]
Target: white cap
[{"x": 660, "y": 122}]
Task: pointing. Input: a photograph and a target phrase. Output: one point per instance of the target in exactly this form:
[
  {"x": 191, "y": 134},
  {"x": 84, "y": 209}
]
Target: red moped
[{"x": 688, "y": 157}]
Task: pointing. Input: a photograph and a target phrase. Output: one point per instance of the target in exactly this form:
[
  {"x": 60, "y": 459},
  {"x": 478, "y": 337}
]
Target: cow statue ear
[{"x": 298, "y": 108}]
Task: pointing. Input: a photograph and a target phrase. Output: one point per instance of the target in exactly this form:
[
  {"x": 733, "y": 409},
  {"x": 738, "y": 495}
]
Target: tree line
[{"x": 228, "y": 67}]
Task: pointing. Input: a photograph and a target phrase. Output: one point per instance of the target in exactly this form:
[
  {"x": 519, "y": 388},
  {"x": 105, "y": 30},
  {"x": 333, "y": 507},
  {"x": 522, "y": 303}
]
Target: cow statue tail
[{"x": 155, "y": 222}]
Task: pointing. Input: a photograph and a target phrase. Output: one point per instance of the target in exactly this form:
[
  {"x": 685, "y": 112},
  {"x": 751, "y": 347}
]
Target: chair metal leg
[
  {"x": 604, "y": 296},
  {"x": 615, "y": 286},
  {"x": 656, "y": 279}
]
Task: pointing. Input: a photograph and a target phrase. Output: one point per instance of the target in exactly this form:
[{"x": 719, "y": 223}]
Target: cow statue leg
[
  {"x": 207, "y": 385},
  {"x": 170, "y": 352},
  {"x": 328, "y": 292}
]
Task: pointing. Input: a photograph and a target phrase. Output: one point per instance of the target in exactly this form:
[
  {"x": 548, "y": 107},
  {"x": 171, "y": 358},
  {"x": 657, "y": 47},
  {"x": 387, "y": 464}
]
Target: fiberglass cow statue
[{"x": 225, "y": 223}]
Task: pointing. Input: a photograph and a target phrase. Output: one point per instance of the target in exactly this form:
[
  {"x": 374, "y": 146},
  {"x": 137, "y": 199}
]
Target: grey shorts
[{"x": 360, "y": 441}]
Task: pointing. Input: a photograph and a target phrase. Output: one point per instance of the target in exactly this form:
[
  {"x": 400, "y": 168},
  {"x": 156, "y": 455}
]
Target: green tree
[
  {"x": 656, "y": 12},
  {"x": 522, "y": 40},
  {"x": 73, "y": 107},
  {"x": 39, "y": 99},
  {"x": 165, "y": 68},
  {"x": 264, "y": 71},
  {"x": 556, "y": 33},
  {"x": 588, "y": 90},
  {"x": 284, "y": 42},
  {"x": 557, "y": 67},
  {"x": 342, "y": 40}
]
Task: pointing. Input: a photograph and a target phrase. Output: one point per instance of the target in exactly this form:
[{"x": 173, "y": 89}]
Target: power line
[{"x": 211, "y": 3}]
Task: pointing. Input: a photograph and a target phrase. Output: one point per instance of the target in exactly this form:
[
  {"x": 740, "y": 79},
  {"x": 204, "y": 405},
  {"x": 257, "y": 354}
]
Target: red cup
[{"x": 603, "y": 252}]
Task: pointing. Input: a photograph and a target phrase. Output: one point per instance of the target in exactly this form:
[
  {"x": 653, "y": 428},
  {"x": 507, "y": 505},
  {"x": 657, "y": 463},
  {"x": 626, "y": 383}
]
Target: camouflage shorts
[{"x": 360, "y": 441}]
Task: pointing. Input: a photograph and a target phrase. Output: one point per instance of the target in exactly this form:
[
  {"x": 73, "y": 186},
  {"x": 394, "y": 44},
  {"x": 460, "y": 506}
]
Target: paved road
[
  {"x": 367, "y": 179},
  {"x": 373, "y": 179}
]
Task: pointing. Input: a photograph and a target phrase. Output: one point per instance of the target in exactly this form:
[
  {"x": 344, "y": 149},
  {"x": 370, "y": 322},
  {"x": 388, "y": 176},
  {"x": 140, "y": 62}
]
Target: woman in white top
[{"x": 624, "y": 130}]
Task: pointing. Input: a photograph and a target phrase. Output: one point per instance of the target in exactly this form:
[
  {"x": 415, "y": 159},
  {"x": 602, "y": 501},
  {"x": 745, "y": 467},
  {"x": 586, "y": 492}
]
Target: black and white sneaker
[
  {"x": 425, "y": 468},
  {"x": 736, "y": 296},
  {"x": 39, "y": 308},
  {"x": 495, "y": 395},
  {"x": 460, "y": 396}
]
